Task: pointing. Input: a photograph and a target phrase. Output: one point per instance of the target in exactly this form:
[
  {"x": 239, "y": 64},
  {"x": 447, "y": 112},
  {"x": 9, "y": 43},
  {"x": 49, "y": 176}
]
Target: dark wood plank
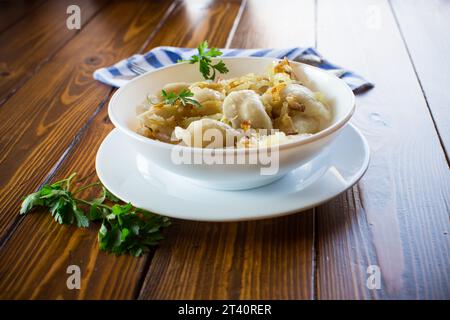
[
  {"x": 12, "y": 11},
  {"x": 47, "y": 249},
  {"x": 196, "y": 21},
  {"x": 268, "y": 259},
  {"x": 423, "y": 24},
  {"x": 103, "y": 276},
  {"x": 34, "y": 40},
  {"x": 266, "y": 25},
  {"x": 40, "y": 121},
  {"x": 35, "y": 259},
  {"x": 397, "y": 216},
  {"x": 271, "y": 259}
]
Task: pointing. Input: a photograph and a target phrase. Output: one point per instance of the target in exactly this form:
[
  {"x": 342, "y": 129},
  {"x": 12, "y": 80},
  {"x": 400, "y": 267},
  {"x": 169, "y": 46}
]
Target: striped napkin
[{"x": 125, "y": 70}]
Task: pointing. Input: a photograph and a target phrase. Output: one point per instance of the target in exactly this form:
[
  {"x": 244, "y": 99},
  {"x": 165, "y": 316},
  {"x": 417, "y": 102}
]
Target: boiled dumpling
[
  {"x": 305, "y": 124},
  {"x": 176, "y": 87},
  {"x": 210, "y": 100},
  {"x": 303, "y": 100},
  {"x": 285, "y": 124},
  {"x": 299, "y": 98},
  {"x": 207, "y": 133},
  {"x": 157, "y": 127},
  {"x": 245, "y": 111},
  {"x": 184, "y": 123},
  {"x": 206, "y": 94},
  {"x": 255, "y": 140},
  {"x": 244, "y": 107}
]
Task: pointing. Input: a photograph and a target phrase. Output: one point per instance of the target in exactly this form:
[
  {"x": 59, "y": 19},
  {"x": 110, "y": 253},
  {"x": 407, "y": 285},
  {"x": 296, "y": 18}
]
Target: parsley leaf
[
  {"x": 59, "y": 201},
  {"x": 206, "y": 66},
  {"x": 184, "y": 97},
  {"x": 131, "y": 230},
  {"x": 110, "y": 196},
  {"x": 124, "y": 228}
]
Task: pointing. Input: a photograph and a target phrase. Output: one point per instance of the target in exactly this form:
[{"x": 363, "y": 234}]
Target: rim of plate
[{"x": 265, "y": 215}]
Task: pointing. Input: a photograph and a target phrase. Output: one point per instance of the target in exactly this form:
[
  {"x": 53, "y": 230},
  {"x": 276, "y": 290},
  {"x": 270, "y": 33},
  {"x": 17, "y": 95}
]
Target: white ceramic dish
[
  {"x": 171, "y": 195},
  {"x": 122, "y": 112}
]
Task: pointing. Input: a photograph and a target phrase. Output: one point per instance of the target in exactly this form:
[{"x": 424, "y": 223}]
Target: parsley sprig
[
  {"x": 204, "y": 58},
  {"x": 124, "y": 228},
  {"x": 184, "y": 97}
]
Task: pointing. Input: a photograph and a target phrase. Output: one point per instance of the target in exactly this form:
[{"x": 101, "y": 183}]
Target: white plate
[{"x": 168, "y": 194}]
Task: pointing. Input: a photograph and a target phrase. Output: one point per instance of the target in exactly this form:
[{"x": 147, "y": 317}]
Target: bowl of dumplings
[{"x": 245, "y": 129}]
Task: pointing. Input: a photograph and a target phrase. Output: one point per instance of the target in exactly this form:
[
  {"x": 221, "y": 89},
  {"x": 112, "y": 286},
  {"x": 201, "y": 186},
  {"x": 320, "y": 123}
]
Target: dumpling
[
  {"x": 157, "y": 127},
  {"x": 184, "y": 123},
  {"x": 255, "y": 140},
  {"x": 292, "y": 121},
  {"x": 305, "y": 124},
  {"x": 210, "y": 100},
  {"x": 285, "y": 124},
  {"x": 303, "y": 100},
  {"x": 176, "y": 87},
  {"x": 161, "y": 110},
  {"x": 244, "y": 107},
  {"x": 299, "y": 98},
  {"x": 272, "y": 99},
  {"x": 218, "y": 86},
  {"x": 207, "y": 133},
  {"x": 206, "y": 94}
]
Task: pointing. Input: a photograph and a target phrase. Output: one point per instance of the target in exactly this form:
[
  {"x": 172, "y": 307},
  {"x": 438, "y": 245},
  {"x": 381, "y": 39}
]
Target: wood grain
[
  {"x": 197, "y": 21},
  {"x": 41, "y": 120},
  {"x": 397, "y": 216},
  {"x": 42, "y": 33},
  {"x": 104, "y": 276},
  {"x": 269, "y": 259},
  {"x": 35, "y": 259},
  {"x": 266, "y": 25},
  {"x": 51, "y": 248},
  {"x": 13, "y": 11},
  {"x": 422, "y": 25}
]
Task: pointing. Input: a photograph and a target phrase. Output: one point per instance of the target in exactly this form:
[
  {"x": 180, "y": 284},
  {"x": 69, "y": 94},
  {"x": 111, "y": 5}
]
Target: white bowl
[{"x": 234, "y": 176}]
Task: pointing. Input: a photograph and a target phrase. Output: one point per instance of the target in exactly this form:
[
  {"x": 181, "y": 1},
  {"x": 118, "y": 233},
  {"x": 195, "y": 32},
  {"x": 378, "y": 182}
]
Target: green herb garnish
[
  {"x": 204, "y": 58},
  {"x": 124, "y": 229},
  {"x": 184, "y": 97}
]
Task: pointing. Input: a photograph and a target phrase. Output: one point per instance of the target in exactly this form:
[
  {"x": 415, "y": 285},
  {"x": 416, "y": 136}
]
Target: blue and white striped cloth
[{"x": 125, "y": 70}]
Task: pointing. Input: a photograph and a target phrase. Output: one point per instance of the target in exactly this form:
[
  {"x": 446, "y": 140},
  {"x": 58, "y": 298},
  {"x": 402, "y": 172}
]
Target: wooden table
[{"x": 53, "y": 117}]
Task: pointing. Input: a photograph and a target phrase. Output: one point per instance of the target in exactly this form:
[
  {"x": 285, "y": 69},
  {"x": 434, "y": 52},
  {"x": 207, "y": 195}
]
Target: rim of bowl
[{"x": 314, "y": 137}]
